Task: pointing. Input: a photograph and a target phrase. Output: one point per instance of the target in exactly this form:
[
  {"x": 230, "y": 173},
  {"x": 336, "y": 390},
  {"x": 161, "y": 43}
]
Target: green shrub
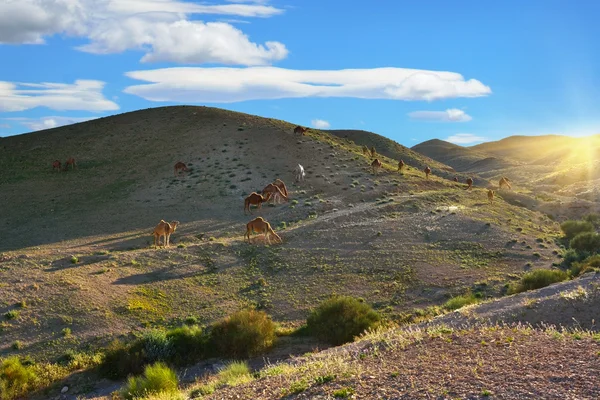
[
  {"x": 15, "y": 378},
  {"x": 571, "y": 256},
  {"x": 460, "y": 301},
  {"x": 538, "y": 279},
  {"x": 188, "y": 344},
  {"x": 589, "y": 264},
  {"x": 341, "y": 318},
  {"x": 157, "y": 378},
  {"x": 12, "y": 314},
  {"x": 243, "y": 334},
  {"x": 121, "y": 360},
  {"x": 235, "y": 373},
  {"x": 586, "y": 242},
  {"x": 573, "y": 228},
  {"x": 156, "y": 346},
  {"x": 593, "y": 219}
]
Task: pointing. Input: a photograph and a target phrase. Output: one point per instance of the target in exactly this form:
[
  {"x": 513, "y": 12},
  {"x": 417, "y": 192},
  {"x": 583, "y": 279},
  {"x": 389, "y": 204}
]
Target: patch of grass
[
  {"x": 343, "y": 393},
  {"x": 321, "y": 380},
  {"x": 16, "y": 379},
  {"x": 12, "y": 314},
  {"x": 460, "y": 301},
  {"x": 340, "y": 319},
  {"x": 66, "y": 332},
  {"x": 298, "y": 387},
  {"x": 74, "y": 260},
  {"x": 17, "y": 345},
  {"x": 157, "y": 378}
]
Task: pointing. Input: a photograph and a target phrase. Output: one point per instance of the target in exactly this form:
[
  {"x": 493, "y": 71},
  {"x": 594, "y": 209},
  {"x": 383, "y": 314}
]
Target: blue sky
[{"x": 464, "y": 71}]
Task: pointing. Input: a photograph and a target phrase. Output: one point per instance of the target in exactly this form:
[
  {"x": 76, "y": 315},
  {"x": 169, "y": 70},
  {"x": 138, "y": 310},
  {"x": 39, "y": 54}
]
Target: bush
[
  {"x": 156, "y": 346},
  {"x": 460, "y": 301},
  {"x": 589, "y": 264},
  {"x": 339, "y": 319},
  {"x": 593, "y": 219},
  {"x": 571, "y": 256},
  {"x": 586, "y": 242},
  {"x": 538, "y": 279},
  {"x": 188, "y": 344},
  {"x": 573, "y": 228},
  {"x": 157, "y": 378},
  {"x": 15, "y": 378},
  {"x": 243, "y": 334},
  {"x": 121, "y": 360}
]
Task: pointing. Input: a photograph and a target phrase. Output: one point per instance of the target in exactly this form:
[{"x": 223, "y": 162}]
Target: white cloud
[
  {"x": 320, "y": 124},
  {"x": 4, "y": 126},
  {"x": 228, "y": 85},
  {"x": 80, "y": 95},
  {"x": 162, "y": 29},
  {"x": 450, "y": 115},
  {"x": 465, "y": 138},
  {"x": 37, "y": 124}
]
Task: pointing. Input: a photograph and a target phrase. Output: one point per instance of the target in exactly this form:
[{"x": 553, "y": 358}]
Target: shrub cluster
[
  {"x": 537, "y": 279},
  {"x": 242, "y": 334},
  {"x": 340, "y": 319}
]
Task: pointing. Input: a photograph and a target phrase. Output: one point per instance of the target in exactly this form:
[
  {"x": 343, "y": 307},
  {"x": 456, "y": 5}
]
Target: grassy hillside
[
  {"x": 78, "y": 268},
  {"x": 396, "y": 151},
  {"x": 460, "y": 158}
]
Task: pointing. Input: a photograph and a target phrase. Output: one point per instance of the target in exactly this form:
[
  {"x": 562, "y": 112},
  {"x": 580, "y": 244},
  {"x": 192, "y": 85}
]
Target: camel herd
[
  {"x": 277, "y": 192},
  {"x": 56, "y": 165}
]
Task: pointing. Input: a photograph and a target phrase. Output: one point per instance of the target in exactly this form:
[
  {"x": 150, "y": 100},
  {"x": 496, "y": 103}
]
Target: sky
[{"x": 465, "y": 71}]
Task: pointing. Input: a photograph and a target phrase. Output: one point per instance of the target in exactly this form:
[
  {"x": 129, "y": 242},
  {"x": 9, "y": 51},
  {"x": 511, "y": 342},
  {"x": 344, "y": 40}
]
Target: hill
[
  {"x": 397, "y": 151},
  {"x": 460, "y": 158},
  {"x": 78, "y": 268}
]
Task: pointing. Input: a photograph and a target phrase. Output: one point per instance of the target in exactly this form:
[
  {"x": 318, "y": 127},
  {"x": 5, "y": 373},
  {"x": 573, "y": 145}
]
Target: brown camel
[
  {"x": 164, "y": 229},
  {"x": 273, "y": 191},
  {"x": 504, "y": 182},
  {"x": 469, "y": 183},
  {"x": 71, "y": 162},
  {"x": 180, "y": 166},
  {"x": 427, "y": 171},
  {"x": 56, "y": 165},
  {"x": 259, "y": 225},
  {"x": 373, "y": 152},
  {"x": 254, "y": 199},
  {"x": 491, "y": 196},
  {"x": 366, "y": 151},
  {"x": 401, "y": 165},
  {"x": 301, "y": 130},
  {"x": 376, "y": 164},
  {"x": 279, "y": 183}
]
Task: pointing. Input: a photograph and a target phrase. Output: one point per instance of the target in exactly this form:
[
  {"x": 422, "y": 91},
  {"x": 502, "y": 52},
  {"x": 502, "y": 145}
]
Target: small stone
[{"x": 65, "y": 389}]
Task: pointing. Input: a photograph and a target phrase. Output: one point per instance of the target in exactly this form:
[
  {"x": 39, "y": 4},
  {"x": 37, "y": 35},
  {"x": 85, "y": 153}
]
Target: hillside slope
[
  {"x": 462, "y": 159},
  {"x": 79, "y": 252},
  {"x": 396, "y": 151}
]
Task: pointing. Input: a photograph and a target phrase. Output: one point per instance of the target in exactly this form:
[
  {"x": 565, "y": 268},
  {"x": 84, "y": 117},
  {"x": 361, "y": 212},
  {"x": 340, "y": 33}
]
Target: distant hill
[
  {"x": 460, "y": 158},
  {"x": 397, "y": 151}
]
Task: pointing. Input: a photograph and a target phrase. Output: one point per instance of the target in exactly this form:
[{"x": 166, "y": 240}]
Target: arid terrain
[{"x": 76, "y": 251}]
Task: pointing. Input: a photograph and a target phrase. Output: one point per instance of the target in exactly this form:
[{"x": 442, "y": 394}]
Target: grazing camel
[
  {"x": 164, "y": 229},
  {"x": 301, "y": 130},
  {"x": 299, "y": 172},
  {"x": 376, "y": 164},
  {"x": 373, "y": 152},
  {"x": 254, "y": 199},
  {"x": 427, "y": 171},
  {"x": 273, "y": 191},
  {"x": 491, "y": 196},
  {"x": 259, "y": 225},
  {"x": 179, "y": 166},
  {"x": 279, "y": 183},
  {"x": 400, "y": 165},
  {"x": 455, "y": 179},
  {"x": 504, "y": 182},
  {"x": 71, "y": 162},
  {"x": 366, "y": 151},
  {"x": 56, "y": 165},
  {"x": 469, "y": 182}
]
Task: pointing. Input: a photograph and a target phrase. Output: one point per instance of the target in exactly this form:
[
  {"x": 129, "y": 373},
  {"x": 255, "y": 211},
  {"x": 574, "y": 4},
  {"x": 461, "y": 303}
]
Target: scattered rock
[{"x": 65, "y": 389}]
